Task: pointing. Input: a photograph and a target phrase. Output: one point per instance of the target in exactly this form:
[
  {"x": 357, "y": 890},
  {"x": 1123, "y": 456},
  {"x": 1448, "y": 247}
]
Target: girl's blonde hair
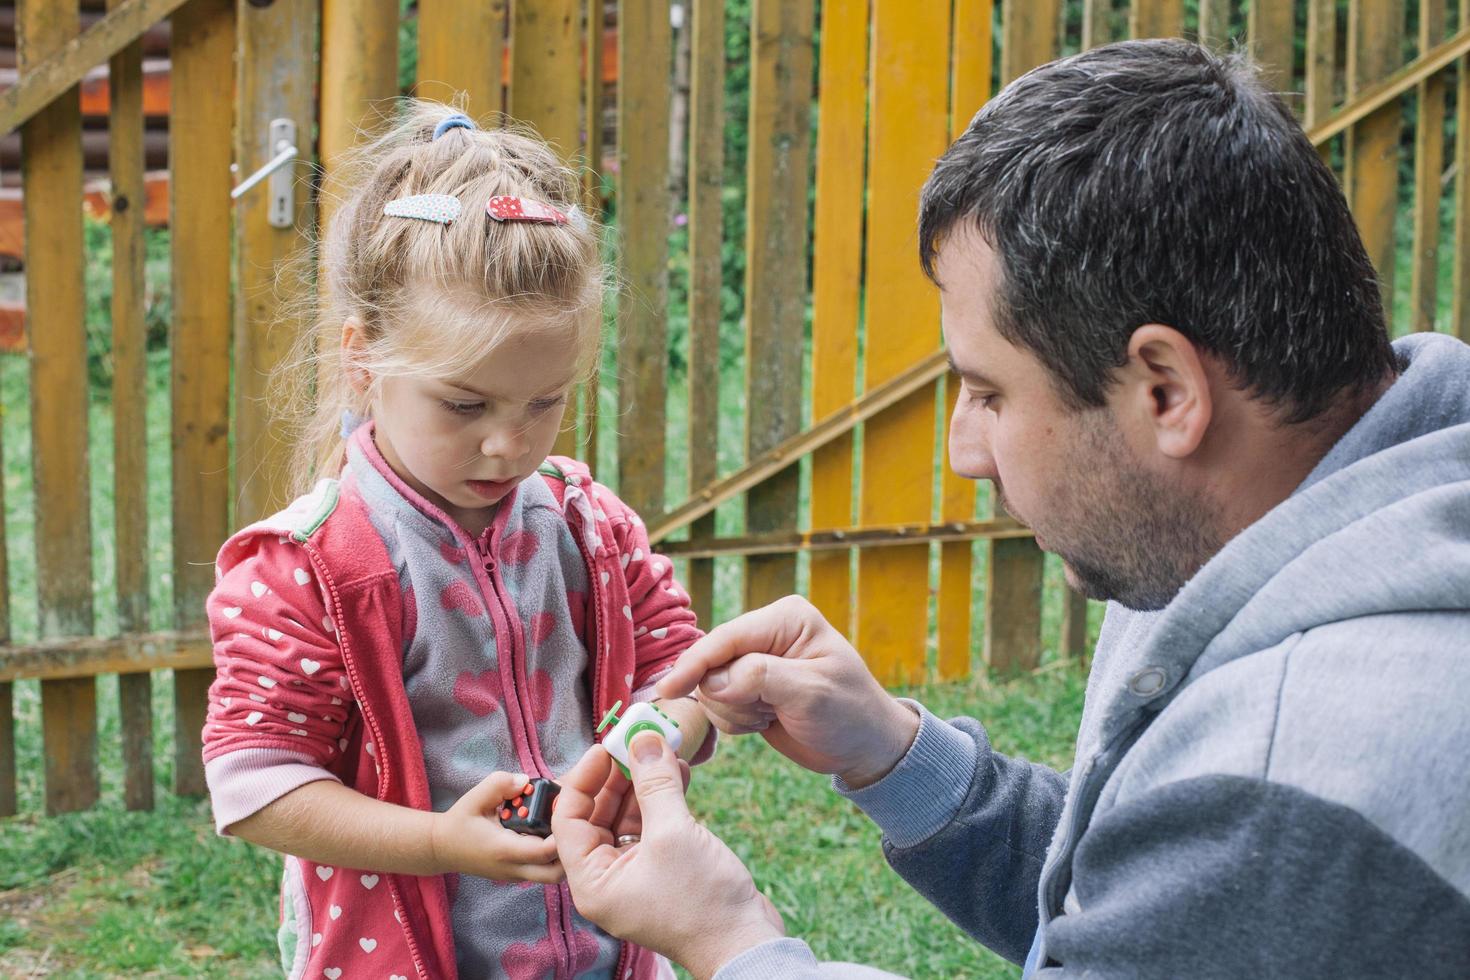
[{"x": 434, "y": 299}]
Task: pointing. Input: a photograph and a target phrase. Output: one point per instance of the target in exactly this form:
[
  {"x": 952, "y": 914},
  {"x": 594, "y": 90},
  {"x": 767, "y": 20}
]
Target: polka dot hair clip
[
  {"x": 439, "y": 208},
  {"x": 505, "y": 208}
]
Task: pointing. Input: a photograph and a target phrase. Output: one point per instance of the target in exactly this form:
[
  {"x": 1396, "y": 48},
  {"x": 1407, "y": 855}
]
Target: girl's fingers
[
  {"x": 543, "y": 874},
  {"x": 491, "y": 791},
  {"x": 513, "y": 848}
]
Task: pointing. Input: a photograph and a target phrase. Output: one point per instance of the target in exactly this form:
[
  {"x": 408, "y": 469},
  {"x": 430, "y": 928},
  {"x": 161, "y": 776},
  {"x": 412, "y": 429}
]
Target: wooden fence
[{"x": 889, "y": 546}]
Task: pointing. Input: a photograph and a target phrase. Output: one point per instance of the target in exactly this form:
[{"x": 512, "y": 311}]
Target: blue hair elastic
[{"x": 457, "y": 121}]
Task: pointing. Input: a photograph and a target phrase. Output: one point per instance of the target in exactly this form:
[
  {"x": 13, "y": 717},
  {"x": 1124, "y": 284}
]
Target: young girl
[{"x": 448, "y": 612}]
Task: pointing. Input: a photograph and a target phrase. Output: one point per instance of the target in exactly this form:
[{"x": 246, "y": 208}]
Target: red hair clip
[{"x": 504, "y": 208}]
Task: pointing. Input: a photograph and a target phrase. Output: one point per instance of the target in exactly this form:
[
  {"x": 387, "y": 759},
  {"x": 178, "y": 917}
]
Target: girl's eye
[
  {"x": 542, "y": 405},
  {"x": 461, "y": 408}
]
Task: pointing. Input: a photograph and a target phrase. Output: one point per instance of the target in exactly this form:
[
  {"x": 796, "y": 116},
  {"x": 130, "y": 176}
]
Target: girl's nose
[{"x": 505, "y": 442}]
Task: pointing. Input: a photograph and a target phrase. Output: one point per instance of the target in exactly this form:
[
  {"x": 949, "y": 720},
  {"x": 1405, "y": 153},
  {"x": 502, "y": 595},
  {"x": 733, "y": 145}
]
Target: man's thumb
[{"x": 657, "y": 780}]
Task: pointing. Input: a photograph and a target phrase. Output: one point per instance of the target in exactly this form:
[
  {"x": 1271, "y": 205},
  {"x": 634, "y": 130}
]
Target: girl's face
[{"x": 465, "y": 441}]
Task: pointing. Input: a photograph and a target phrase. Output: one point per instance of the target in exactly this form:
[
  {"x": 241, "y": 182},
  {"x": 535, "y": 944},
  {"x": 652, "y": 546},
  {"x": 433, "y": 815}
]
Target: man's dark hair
[{"x": 1158, "y": 182}]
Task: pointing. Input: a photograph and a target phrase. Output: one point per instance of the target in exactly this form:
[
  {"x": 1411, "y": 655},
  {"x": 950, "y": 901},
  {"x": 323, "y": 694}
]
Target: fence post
[
  {"x": 203, "y": 54},
  {"x": 969, "y": 89},
  {"x": 775, "y": 269},
  {"x": 706, "y": 227},
  {"x": 461, "y": 49},
  {"x": 546, "y": 92},
  {"x": 1428, "y": 164},
  {"x": 644, "y": 60},
  {"x": 125, "y": 162},
  {"x": 1154, "y": 18},
  {"x": 51, "y": 163},
  {"x": 1375, "y": 36}
]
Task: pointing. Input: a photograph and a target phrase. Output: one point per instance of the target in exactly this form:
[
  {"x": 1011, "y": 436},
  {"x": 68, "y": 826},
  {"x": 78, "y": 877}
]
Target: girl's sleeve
[
  {"x": 664, "y": 625},
  {"x": 279, "y": 704}
]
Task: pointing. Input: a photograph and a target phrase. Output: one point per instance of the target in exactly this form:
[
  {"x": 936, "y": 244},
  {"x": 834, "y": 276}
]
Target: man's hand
[
  {"x": 679, "y": 890},
  {"x": 785, "y": 672}
]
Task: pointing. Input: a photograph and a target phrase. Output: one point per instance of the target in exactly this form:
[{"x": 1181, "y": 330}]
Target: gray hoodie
[{"x": 1272, "y": 775}]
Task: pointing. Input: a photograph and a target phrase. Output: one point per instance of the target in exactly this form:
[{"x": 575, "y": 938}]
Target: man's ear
[
  {"x": 354, "y": 341},
  {"x": 1165, "y": 386}
]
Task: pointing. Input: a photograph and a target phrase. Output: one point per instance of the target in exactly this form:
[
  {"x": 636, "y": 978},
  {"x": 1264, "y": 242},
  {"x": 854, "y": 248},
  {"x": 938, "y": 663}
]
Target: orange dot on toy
[
  {"x": 516, "y": 801},
  {"x": 528, "y": 790},
  {"x": 522, "y": 812},
  {"x": 504, "y": 814}
]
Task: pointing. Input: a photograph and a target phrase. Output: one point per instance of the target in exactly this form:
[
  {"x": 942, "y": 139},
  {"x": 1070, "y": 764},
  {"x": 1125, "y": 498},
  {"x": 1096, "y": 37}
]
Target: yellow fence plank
[
  {"x": 775, "y": 269},
  {"x": 970, "y": 64},
  {"x": 1428, "y": 165},
  {"x": 1271, "y": 29},
  {"x": 7, "y": 750},
  {"x": 1156, "y": 18},
  {"x": 1460, "y": 314},
  {"x": 1029, "y": 35},
  {"x": 706, "y": 178},
  {"x": 51, "y": 167},
  {"x": 1375, "y": 35},
  {"x": 200, "y": 150},
  {"x": 462, "y": 52},
  {"x": 130, "y": 408},
  {"x": 837, "y": 282},
  {"x": 644, "y": 61},
  {"x": 909, "y": 89},
  {"x": 546, "y": 92}
]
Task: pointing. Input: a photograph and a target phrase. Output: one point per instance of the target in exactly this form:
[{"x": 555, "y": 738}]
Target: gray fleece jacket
[{"x": 1272, "y": 775}]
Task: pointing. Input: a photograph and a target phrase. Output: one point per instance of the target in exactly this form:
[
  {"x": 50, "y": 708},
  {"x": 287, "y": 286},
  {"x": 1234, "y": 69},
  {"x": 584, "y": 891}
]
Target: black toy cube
[{"x": 529, "y": 812}]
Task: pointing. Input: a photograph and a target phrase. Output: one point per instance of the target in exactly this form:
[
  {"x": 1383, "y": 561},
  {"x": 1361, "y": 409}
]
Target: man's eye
[{"x": 461, "y": 408}]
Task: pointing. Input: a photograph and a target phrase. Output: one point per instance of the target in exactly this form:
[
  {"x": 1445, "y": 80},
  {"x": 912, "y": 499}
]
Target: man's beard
[{"x": 1123, "y": 534}]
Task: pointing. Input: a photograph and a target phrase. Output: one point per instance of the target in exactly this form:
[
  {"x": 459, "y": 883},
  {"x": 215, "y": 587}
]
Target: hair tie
[{"x": 457, "y": 121}]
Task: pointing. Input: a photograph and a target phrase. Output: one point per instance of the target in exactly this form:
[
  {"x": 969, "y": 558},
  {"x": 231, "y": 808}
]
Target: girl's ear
[{"x": 354, "y": 341}]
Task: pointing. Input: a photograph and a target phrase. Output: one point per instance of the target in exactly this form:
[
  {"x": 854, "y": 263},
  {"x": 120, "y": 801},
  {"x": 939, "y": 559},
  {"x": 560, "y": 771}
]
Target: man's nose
[{"x": 969, "y": 449}]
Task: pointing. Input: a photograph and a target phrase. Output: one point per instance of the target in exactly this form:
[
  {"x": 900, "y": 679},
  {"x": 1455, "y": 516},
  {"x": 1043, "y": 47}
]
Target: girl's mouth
[{"x": 491, "y": 489}]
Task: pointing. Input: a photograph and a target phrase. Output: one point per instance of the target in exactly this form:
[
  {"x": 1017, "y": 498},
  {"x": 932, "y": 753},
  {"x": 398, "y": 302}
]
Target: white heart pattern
[
  {"x": 258, "y": 589},
  {"x": 323, "y": 872},
  {"x": 273, "y": 634},
  {"x": 637, "y": 554},
  {"x": 332, "y": 972},
  {"x": 628, "y": 612},
  {"x": 296, "y": 716},
  {"x": 327, "y": 624},
  {"x": 265, "y": 682},
  {"x": 231, "y": 611},
  {"x": 606, "y": 577},
  {"x": 301, "y": 577},
  {"x": 368, "y": 881},
  {"x": 371, "y": 749},
  {"x": 639, "y": 631},
  {"x": 259, "y": 698},
  {"x": 316, "y": 939},
  {"x": 335, "y": 912},
  {"x": 661, "y": 632},
  {"x": 628, "y": 680},
  {"x": 368, "y": 945},
  {"x": 626, "y": 559},
  {"x": 253, "y": 717},
  {"x": 309, "y": 667}
]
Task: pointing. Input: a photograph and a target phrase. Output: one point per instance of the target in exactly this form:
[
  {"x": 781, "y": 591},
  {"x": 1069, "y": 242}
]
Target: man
[{"x": 1175, "y": 368}]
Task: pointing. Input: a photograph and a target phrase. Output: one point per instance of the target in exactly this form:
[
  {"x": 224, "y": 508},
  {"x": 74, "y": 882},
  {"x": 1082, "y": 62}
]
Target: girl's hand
[{"x": 468, "y": 838}]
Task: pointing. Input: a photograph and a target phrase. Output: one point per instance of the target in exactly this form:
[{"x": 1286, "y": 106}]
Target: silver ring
[{"x": 625, "y": 839}]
